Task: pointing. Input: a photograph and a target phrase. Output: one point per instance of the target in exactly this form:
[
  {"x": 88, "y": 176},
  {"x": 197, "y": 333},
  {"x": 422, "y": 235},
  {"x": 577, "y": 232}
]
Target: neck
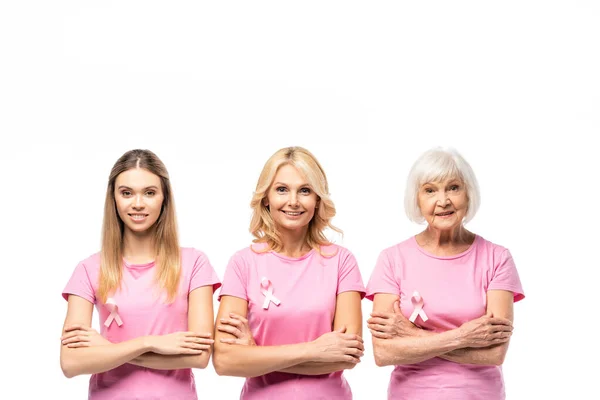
[
  {"x": 138, "y": 248},
  {"x": 451, "y": 238},
  {"x": 294, "y": 243}
]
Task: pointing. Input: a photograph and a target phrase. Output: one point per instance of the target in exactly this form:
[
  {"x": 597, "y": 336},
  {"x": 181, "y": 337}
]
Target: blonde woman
[
  {"x": 154, "y": 299},
  {"x": 290, "y": 314}
]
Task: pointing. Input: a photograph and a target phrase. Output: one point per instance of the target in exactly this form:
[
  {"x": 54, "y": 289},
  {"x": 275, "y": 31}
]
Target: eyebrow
[
  {"x": 285, "y": 184},
  {"x": 127, "y": 187}
]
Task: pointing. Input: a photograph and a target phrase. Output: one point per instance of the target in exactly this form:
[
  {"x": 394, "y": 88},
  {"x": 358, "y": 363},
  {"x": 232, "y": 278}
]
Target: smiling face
[
  {"x": 291, "y": 200},
  {"x": 139, "y": 199},
  {"x": 444, "y": 204}
]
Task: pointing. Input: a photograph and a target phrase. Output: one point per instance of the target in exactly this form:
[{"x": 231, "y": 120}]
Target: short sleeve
[
  {"x": 80, "y": 285},
  {"x": 203, "y": 273},
  {"x": 235, "y": 280},
  {"x": 383, "y": 279},
  {"x": 349, "y": 277},
  {"x": 506, "y": 277}
]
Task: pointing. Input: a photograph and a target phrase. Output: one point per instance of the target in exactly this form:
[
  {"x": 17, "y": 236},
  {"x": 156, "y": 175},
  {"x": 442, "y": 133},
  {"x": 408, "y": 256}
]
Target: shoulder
[
  {"x": 491, "y": 248},
  {"x": 395, "y": 251},
  {"x": 90, "y": 264}
]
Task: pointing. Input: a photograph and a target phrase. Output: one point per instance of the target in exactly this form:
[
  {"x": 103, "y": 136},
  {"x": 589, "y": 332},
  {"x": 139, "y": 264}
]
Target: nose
[
  {"x": 293, "y": 202},
  {"x": 138, "y": 202},
  {"x": 443, "y": 199}
]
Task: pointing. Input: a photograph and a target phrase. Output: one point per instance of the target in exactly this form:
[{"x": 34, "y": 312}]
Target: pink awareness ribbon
[
  {"x": 111, "y": 305},
  {"x": 417, "y": 301},
  {"x": 266, "y": 287}
]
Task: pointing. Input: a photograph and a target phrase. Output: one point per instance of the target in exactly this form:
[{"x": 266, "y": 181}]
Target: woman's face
[
  {"x": 291, "y": 200},
  {"x": 139, "y": 199},
  {"x": 444, "y": 204}
]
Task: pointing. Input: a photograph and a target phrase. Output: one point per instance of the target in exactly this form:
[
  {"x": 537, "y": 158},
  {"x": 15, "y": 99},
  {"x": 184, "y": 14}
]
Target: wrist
[
  {"x": 147, "y": 344},
  {"x": 306, "y": 352}
]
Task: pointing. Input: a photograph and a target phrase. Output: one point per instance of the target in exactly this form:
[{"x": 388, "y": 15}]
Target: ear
[{"x": 265, "y": 202}]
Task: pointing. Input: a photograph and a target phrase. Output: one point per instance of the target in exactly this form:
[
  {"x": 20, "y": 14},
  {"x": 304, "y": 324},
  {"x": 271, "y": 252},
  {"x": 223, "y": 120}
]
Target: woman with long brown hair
[{"x": 154, "y": 299}]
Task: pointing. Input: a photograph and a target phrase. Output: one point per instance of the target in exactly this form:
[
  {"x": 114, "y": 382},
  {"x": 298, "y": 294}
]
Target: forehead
[
  {"x": 290, "y": 175},
  {"x": 137, "y": 178},
  {"x": 441, "y": 180}
]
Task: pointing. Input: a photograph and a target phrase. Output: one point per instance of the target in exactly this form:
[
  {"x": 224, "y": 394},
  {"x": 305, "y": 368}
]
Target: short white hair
[{"x": 436, "y": 165}]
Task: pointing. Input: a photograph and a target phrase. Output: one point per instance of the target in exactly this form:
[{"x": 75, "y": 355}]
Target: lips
[
  {"x": 444, "y": 214},
  {"x": 292, "y": 213},
  {"x": 138, "y": 216}
]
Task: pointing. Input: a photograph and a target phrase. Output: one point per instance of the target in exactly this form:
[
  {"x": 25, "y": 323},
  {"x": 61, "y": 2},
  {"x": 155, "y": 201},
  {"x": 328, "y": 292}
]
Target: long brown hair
[
  {"x": 262, "y": 225},
  {"x": 168, "y": 261}
]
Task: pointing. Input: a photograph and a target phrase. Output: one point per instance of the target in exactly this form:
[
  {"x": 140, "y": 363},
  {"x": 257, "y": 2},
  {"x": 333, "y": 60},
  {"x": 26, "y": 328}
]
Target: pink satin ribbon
[
  {"x": 417, "y": 302},
  {"x": 111, "y": 306},
  {"x": 266, "y": 287}
]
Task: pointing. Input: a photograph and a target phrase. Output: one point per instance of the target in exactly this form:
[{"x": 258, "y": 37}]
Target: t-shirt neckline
[{"x": 464, "y": 253}]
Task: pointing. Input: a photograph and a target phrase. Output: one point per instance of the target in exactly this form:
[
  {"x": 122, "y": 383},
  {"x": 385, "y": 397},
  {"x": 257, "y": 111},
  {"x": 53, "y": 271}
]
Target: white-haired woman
[
  {"x": 300, "y": 293},
  {"x": 443, "y": 299}
]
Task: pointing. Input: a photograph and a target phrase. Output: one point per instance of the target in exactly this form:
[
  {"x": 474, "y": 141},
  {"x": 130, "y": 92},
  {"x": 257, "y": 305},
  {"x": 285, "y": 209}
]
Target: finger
[
  {"x": 500, "y": 321},
  {"x": 230, "y": 329},
  {"x": 350, "y": 359},
  {"x": 356, "y": 344},
  {"x": 72, "y": 334},
  {"x": 237, "y": 316},
  {"x": 78, "y": 344},
  {"x": 354, "y": 352},
  {"x": 191, "y": 351},
  {"x": 204, "y": 341},
  {"x": 76, "y": 339},
  {"x": 196, "y": 346},
  {"x": 379, "y": 327},
  {"x": 351, "y": 336},
  {"x": 341, "y": 329},
  {"x": 73, "y": 327},
  {"x": 397, "y": 307},
  {"x": 229, "y": 341},
  {"x": 377, "y": 320},
  {"x": 230, "y": 321},
  {"x": 380, "y": 335}
]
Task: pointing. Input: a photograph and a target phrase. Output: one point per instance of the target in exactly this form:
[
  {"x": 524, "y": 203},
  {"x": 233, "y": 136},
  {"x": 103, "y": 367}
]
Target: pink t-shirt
[
  {"x": 307, "y": 288},
  {"x": 143, "y": 311},
  {"x": 453, "y": 290}
]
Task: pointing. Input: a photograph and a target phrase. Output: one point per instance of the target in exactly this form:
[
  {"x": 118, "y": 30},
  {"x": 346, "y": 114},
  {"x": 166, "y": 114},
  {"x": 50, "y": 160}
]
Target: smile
[
  {"x": 444, "y": 214},
  {"x": 293, "y": 213},
  {"x": 138, "y": 217}
]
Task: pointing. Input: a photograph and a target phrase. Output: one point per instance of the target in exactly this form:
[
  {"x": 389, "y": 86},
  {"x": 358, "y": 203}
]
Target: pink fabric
[
  {"x": 306, "y": 288},
  {"x": 143, "y": 312},
  {"x": 453, "y": 290}
]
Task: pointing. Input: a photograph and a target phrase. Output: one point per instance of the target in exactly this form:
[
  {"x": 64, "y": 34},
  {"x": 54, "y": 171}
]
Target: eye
[
  {"x": 150, "y": 193},
  {"x": 305, "y": 191},
  {"x": 125, "y": 193},
  {"x": 454, "y": 188},
  {"x": 280, "y": 189},
  {"x": 428, "y": 190}
]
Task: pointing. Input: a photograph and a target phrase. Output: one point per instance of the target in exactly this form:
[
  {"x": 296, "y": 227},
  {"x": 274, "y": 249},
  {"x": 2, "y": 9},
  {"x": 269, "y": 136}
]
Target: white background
[{"x": 215, "y": 89}]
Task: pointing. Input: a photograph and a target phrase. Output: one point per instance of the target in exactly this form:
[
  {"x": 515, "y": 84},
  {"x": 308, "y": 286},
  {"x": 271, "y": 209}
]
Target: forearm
[
  {"x": 318, "y": 368},
  {"x": 167, "y": 362},
  {"x": 414, "y": 349},
  {"x": 251, "y": 361},
  {"x": 493, "y": 355},
  {"x": 96, "y": 359}
]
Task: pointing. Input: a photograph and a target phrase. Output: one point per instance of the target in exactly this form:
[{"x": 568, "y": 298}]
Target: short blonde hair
[
  {"x": 436, "y": 165},
  {"x": 262, "y": 225}
]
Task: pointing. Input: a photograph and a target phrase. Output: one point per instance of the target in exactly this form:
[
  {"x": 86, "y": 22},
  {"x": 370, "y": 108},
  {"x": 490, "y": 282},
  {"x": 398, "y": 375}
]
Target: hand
[
  {"x": 338, "y": 346},
  {"x": 78, "y": 335},
  {"x": 486, "y": 331},
  {"x": 237, "y": 326},
  {"x": 390, "y": 325},
  {"x": 180, "y": 343}
]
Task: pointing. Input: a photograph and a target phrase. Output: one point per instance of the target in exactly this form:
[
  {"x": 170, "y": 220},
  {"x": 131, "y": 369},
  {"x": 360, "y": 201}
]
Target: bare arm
[
  {"x": 91, "y": 360},
  {"x": 499, "y": 304},
  {"x": 397, "y": 341},
  {"x": 250, "y": 361},
  {"x": 348, "y": 314},
  {"x": 200, "y": 319}
]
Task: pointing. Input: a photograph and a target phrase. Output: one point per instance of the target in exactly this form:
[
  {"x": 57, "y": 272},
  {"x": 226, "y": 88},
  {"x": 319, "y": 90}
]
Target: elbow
[
  {"x": 498, "y": 360},
  {"x": 221, "y": 366},
  {"x": 68, "y": 369},
  {"x": 381, "y": 359},
  {"x": 201, "y": 362}
]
